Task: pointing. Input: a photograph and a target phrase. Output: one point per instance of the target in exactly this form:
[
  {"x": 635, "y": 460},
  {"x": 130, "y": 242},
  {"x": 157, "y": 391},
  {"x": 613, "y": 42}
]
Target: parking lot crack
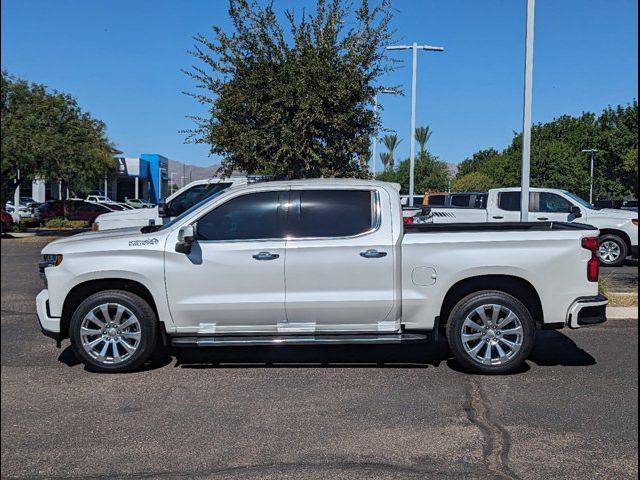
[{"x": 497, "y": 441}]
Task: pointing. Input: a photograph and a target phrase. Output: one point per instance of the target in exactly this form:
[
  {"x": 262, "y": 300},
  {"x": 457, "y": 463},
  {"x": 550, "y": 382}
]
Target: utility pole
[
  {"x": 375, "y": 135},
  {"x": 414, "y": 47},
  {"x": 526, "y": 117},
  {"x": 592, "y": 152}
]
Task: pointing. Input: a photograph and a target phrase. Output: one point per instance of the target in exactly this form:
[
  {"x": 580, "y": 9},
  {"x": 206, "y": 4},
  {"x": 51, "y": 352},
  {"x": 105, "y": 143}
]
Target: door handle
[
  {"x": 373, "y": 254},
  {"x": 497, "y": 217},
  {"x": 543, "y": 218},
  {"x": 266, "y": 256}
]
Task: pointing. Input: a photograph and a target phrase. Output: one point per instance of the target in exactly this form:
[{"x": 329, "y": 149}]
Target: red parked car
[
  {"x": 82, "y": 210},
  {"x": 49, "y": 209},
  {"x": 7, "y": 222},
  {"x": 70, "y": 209}
]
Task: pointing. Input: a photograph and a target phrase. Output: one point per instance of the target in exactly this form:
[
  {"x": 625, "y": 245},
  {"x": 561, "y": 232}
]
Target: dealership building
[{"x": 144, "y": 177}]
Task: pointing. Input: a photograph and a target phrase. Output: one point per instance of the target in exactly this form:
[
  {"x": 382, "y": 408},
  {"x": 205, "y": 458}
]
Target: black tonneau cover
[{"x": 495, "y": 227}]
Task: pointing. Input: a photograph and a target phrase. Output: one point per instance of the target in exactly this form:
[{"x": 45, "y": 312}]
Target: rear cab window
[{"x": 332, "y": 213}]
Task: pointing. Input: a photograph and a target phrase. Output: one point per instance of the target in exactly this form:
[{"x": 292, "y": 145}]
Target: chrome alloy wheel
[
  {"x": 492, "y": 334},
  {"x": 110, "y": 333},
  {"x": 609, "y": 251}
]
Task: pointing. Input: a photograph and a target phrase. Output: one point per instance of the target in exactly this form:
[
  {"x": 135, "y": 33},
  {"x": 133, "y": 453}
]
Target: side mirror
[
  {"x": 164, "y": 210},
  {"x": 576, "y": 212},
  {"x": 426, "y": 210},
  {"x": 186, "y": 237}
]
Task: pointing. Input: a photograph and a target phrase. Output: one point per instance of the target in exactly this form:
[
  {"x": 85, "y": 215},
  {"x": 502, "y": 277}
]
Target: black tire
[
  {"x": 148, "y": 327},
  {"x": 466, "y": 307},
  {"x": 622, "y": 245}
]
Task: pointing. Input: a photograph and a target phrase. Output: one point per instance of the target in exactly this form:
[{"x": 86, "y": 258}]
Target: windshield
[
  {"x": 189, "y": 210},
  {"x": 194, "y": 195},
  {"x": 580, "y": 200}
]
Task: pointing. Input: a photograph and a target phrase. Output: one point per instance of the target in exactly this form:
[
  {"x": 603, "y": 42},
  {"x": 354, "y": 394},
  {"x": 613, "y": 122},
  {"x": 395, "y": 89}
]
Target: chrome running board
[{"x": 329, "y": 339}]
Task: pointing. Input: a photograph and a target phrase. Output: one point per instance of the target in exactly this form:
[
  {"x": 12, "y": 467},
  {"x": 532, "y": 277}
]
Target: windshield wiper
[{"x": 150, "y": 228}]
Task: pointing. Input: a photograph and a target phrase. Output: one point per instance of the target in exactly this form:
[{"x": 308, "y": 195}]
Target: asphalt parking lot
[{"x": 308, "y": 412}]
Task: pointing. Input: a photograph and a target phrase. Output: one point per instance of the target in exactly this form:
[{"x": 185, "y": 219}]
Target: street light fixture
[
  {"x": 414, "y": 47},
  {"x": 592, "y": 151},
  {"x": 375, "y": 113}
]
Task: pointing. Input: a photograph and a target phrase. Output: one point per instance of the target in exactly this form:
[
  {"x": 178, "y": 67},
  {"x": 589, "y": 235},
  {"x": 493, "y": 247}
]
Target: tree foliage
[
  {"x": 473, "y": 182},
  {"x": 46, "y": 134},
  {"x": 391, "y": 142},
  {"x": 431, "y": 174},
  {"x": 294, "y": 103},
  {"x": 423, "y": 134},
  {"x": 557, "y": 160}
]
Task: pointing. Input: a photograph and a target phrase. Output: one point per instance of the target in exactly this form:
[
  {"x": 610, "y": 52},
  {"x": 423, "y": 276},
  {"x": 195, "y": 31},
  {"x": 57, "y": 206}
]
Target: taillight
[
  {"x": 593, "y": 266},
  {"x": 407, "y": 220}
]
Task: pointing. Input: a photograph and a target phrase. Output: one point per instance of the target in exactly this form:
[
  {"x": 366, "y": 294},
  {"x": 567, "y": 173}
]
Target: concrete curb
[
  {"x": 619, "y": 313},
  {"x": 20, "y": 234}
]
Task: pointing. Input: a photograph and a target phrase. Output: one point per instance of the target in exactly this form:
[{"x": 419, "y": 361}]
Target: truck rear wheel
[
  {"x": 612, "y": 251},
  {"x": 490, "y": 332},
  {"x": 113, "y": 331}
]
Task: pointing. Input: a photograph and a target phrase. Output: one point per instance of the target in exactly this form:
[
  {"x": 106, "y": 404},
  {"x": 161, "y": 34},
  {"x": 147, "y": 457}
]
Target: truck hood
[
  {"x": 141, "y": 213},
  {"x": 117, "y": 239},
  {"x": 613, "y": 213}
]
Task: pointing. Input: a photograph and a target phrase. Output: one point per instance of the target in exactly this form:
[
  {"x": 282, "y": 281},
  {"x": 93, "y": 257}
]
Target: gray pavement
[
  {"x": 624, "y": 278},
  {"x": 313, "y": 413}
]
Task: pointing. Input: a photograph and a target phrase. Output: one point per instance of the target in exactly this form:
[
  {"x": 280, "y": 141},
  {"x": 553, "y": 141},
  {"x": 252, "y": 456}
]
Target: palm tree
[
  {"x": 422, "y": 136},
  {"x": 384, "y": 158},
  {"x": 391, "y": 142}
]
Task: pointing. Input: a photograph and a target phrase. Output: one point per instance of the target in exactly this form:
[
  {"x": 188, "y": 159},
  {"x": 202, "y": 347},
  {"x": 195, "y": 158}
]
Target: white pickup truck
[
  {"x": 175, "y": 204},
  {"x": 618, "y": 228},
  {"x": 317, "y": 262}
]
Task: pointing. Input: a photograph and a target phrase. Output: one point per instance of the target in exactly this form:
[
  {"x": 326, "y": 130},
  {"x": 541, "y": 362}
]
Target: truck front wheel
[
  {"x": 490, "y": 332},
  {"x": 113, "y": 331},
  {"x": 612, "y": 251}
]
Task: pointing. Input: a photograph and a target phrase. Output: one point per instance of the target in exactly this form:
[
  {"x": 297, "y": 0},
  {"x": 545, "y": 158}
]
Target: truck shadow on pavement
[{"x": 552, "y": 348}]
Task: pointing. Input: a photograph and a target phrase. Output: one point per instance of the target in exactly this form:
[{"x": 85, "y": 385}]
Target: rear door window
[
  {"x": 509, "y": 201},
  {"x": 460, "y": 200},
  {"x": 332, "y": 213}
]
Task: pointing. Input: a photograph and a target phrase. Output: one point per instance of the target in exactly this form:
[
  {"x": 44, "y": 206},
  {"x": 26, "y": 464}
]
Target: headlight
[{"x": 50, "y": 260}]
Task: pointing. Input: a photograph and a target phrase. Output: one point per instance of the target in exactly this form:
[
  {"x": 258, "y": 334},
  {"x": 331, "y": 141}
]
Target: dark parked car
[
  {"x": 83, "y": 210},
  {"x": 71, "y": 210},
  {"x": 49, "y": 209},
  {"x": 7, "y": 221}
]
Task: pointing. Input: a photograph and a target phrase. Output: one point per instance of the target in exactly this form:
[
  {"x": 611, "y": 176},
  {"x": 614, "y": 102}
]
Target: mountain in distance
[{"x": 185, "y": 173}]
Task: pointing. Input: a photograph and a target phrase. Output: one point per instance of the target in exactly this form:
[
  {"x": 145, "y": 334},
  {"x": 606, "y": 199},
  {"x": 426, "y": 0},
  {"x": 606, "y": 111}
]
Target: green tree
[
  {"x": 294, "y": 103},
  {"x": 557, "y": 160},
  {"x": 391, "y": 142},
  {"x": 46, "y": 134},
  {"x": 473, "y": 182},
  {"x": 385, "y": 157},
  {"x": 431, "y": 174},
  {"x": 423, "y": 134}
]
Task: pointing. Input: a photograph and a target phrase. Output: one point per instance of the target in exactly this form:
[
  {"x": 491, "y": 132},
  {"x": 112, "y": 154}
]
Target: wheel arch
[
  {"x": 85, "y": 289},
  {"x": 515, "y": 286}
]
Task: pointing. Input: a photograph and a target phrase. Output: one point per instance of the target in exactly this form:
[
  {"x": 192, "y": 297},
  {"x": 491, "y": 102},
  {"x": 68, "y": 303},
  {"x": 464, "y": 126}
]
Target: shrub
[{"x": 59, "y": 222}]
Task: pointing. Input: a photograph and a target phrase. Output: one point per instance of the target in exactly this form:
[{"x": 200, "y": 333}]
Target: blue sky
[{"x": 122, "y": 60}]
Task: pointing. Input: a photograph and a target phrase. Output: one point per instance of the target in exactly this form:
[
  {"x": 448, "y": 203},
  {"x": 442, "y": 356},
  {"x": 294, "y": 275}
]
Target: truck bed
[{"x": 495, "y": 227}]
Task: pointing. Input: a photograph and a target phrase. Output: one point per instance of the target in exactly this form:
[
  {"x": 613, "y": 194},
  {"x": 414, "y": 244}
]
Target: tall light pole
[
  {"x": 592, "y": 152},
  {"x": 375, "y": 114},
  {"x": 526, "y": 117},
  {"x": 414, "y": 47}
]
